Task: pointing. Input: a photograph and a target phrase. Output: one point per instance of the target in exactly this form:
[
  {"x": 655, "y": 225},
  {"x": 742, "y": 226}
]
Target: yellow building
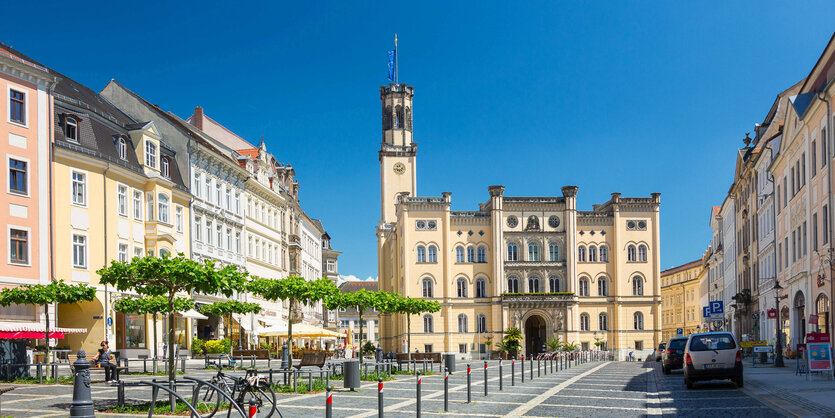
[
  {"x": 535, "y": 263},
  {"x": 117, "y": 193},
  {"x": 681, "y": 299}
]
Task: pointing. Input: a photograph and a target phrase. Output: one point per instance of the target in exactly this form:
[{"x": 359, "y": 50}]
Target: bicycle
[{"x": 241, "y": 390}]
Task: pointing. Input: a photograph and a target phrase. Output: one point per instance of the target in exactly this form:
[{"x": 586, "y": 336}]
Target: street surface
[{"x": 605, "y": 389}]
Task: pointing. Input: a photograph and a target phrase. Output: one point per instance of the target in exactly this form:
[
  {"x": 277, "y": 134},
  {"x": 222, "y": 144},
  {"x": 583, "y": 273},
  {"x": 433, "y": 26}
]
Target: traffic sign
[
  {"x": 679, "y": 331},
  {"x": 755, "y": 315},
  {"x": 717, "y": 307},
  {"x": 706, "y": 311}
]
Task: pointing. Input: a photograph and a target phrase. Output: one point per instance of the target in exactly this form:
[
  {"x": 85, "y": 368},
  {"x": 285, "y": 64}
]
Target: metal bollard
[
  {"x": 538, "y": 367},
  {"x": 417, "y": 405},
  {"x": 531, "y": 364},
  {"x": 522, "y": 363},
  {"x": 469, "y": 387},
  {"x": 380, "y": 397},
  {"x": 183, "y": 362},
  {"x": 513, "y": 372},
  {"x": 253, "y": 408},
  {"x": 485, "y": 378},
  {"x": 285, "y": 357},
  {"x": 500, "y": 375},
  {"x": 120, "y": 394},
  {"x": 329, "y": 403},
  {"x": 82, "y": 401},
  {"x": 310, "y": 381},
  {"x": 446, "y": 389},
  {"x": 40, "y": 373}
]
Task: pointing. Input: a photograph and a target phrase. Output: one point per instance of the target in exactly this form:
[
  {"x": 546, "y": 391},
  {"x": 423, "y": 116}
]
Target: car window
[
  {"x": 662, "y": 345},
  {"x": 677, "y": 344},
  {"x": 712, "y": 342}
]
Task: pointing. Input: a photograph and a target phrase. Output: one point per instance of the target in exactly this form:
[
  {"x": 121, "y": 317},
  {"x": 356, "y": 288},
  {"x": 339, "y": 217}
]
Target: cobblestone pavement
[{"x": 607, "y": 389}]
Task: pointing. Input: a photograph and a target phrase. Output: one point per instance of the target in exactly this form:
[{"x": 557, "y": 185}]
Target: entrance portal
[{"x": 534, "y": 334}]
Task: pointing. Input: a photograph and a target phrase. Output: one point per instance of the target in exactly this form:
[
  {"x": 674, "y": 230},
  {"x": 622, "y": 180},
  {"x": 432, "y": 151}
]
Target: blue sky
[{"x": 632, "y": 97}]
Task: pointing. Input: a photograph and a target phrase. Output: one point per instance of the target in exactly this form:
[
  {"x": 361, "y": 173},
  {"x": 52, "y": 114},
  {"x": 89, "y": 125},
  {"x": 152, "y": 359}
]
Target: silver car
[{"x": 712, "y": 356}]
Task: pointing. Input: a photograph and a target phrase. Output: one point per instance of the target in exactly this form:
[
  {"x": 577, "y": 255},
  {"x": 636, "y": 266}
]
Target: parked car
[
  {"x": 673, "y": 357},
  {"x": 712, "y": 356},
  {"x": 659, "y": 352}
]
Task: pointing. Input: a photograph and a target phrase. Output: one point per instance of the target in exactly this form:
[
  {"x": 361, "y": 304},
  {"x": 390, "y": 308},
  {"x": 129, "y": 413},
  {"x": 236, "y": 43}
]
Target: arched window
[
  {"x": 164, "y": 253},
  {"x": 459, "y": 254},
  {"x": 604, "y": 253},
  {"x": 603, "y": 322},
  {"x": 533, "y": 284},
  {"x": 398, "y": 117},
  {"x": 462, "y": 323},
  {"x": 387, "y": 118},
  {"x": 482, "y": 254},
  {"x": 162, "y": 214},
  {"x": 592, "y": 253},
  {"x": 533, "y": 252},
  {"x": 461, "y": 287},
  {"x": 630, "y": 253},
  {"x": 427, "y": 323},
  {"x": 584, "y": 287},
  {"x": 638, "y": 321},
  {"x": 637, "y": 286},
  {"x": 421, "y": 254},
  {"x": 512, "y": 284},
  {"x": 480, "y": 288},
  {"x": 553, "y": 252},
  {"x": 433, "y": 254},
  {"x": 642, "y": 252},
  {"x": 481, "y": 323},
  {"x": 554, "y": 284},
  {"x": 602, "y": 287},
  {"x": 581, "y": 253},
  {"x": 72, "y": 129},
  {"x": 822, "y": 308},
  {"x": 409, "y": 118},
  {"x": 427, "y": 288},
  {"x": 512, "y": 252},
  {"x": 470, "y": 254},
  {"x": 123, "y": 153},
  {"x": 584, "y": 322}
]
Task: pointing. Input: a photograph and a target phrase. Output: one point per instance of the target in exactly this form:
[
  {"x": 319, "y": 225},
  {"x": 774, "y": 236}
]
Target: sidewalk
[{"x": 793, "y": 394}]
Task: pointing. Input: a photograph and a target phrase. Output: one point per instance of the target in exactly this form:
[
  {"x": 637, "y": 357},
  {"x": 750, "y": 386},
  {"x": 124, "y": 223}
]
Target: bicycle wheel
[
  {"x": 208, "y": 397},
  {"x": 265, "y": 399}
]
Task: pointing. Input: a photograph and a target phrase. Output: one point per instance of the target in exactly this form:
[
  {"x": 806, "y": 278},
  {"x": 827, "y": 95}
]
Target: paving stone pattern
[{"x": 610, "y": 389}]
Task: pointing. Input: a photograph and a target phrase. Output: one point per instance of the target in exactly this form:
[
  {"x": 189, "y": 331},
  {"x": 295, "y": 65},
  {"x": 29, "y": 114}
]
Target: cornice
[{"x": 30, "y": 72}]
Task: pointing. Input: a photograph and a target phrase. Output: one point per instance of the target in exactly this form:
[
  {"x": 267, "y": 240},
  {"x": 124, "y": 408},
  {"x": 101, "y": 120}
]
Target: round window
[
  {"x": 421, "y": 224},
  {"x": 642, "y": 224},
  {"x": 431, "y": 224},
  {"x": 553, "y": 222},
  {"x": 630, "y": 225},
  {"x": 512, "y": 221}
]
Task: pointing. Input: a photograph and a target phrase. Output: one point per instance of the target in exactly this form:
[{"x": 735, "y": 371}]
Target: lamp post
[{"x": 778, "y": 346}]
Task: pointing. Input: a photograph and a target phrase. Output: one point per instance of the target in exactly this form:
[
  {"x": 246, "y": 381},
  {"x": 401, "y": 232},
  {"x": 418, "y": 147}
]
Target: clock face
[{"x": 399, "y": 168}]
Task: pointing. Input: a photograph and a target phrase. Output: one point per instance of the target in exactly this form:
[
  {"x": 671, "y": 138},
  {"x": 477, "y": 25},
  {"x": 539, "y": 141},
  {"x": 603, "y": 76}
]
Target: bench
[
  {"x": 433, "y": 357},
  {"x": 96, "y": 368},
  {"x": 312, "y": 359}
]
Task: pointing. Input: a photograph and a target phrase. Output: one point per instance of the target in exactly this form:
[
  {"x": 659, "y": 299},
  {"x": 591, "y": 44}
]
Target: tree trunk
[
  {"x": 172, "y": 371},
  {"x": 360, "y": 314},
  {"x": 290, "y": 331},
  {"x": 46, "y": 351},
  {"x": 156, "y": 355},
  {"x": 409, "y": 337},
  {"x": 229, "y": 331}
]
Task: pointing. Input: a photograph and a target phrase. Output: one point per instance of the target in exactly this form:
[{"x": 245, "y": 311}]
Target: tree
[
  {"x": 409, "y": 306},
  {"x": 512, "y": 338},
  {"x": 228, "y": 308},
  {"x": 45, "y": 295},
  {"x": 153, "y": 305},
  {"x": 554, "y": 344},
  {"x": 167, "y": 276},
  {"x": 293, "y": 289},
  {"x": 361, "y": 300}
]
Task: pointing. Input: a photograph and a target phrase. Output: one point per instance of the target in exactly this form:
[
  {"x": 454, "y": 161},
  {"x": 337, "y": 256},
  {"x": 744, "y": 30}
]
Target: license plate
[{"x": 715, "y": 366}]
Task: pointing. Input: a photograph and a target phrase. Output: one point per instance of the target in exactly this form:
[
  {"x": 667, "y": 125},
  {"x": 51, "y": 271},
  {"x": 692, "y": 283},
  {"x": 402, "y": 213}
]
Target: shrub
[
  {"x": 196, "y": 347},
  {"x": 368, "y": 348},
  {"x": 223, "y": 346}
]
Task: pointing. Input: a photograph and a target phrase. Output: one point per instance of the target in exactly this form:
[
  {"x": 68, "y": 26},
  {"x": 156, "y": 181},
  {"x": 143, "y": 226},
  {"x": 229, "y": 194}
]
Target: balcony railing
[{"x": 537, "y": 297}]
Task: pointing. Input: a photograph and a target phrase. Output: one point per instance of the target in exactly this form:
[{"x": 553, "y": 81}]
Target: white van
[{"x": 712, "y": 356}]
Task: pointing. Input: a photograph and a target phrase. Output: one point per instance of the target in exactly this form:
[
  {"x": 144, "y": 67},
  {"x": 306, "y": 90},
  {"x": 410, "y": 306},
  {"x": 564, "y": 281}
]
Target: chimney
[{"x": 197, "y": 119}]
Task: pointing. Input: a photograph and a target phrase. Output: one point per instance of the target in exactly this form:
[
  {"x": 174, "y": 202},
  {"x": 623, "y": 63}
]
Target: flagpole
[{"x": 396, "y": 79}]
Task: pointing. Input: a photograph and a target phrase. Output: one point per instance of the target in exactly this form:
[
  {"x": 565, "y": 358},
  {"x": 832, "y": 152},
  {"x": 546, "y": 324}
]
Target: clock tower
[{"x": 398, "y": 152}]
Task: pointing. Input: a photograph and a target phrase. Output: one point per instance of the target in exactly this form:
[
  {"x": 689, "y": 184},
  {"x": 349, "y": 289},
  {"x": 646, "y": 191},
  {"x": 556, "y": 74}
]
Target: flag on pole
[{"x": 392, "y": 64}]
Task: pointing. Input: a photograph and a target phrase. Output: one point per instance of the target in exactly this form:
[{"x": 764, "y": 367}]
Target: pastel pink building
[{"x": 25, "y": 119}]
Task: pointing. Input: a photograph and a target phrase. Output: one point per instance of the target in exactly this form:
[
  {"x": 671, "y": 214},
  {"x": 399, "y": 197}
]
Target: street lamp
[{"x": 778, "y": 346}]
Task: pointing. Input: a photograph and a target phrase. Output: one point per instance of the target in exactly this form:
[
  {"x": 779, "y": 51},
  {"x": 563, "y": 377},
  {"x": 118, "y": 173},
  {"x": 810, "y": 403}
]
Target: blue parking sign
[
  {"x": 679, "y": 331},
  {"x": 717, "y": 307},
  {"x": 706, "y": 312}
]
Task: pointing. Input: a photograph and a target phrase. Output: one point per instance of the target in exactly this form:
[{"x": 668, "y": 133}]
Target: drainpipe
[
  {"x": 822, "y": 97},
  {"x": 106, "y": 291},
  {"x": 51, "y": 134}
]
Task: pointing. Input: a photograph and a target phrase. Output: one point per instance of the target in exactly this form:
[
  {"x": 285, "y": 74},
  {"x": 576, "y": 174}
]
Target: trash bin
[
  {"x": 449, "y": 362},
  {"x": 351, "y": 374}
]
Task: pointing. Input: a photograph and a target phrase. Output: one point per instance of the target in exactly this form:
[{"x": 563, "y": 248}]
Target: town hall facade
[{"x": 533, "y": 263}]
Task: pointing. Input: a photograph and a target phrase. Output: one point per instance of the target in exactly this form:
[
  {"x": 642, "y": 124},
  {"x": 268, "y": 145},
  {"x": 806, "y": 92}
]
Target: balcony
[
  {"x": 294, "y": 241},
  {"x": 529, "y": 264},
  {"x": 532, "y": 300}
]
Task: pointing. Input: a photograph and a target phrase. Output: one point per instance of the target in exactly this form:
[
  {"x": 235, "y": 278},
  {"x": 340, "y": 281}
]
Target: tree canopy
[
  {"x": 151, "y": 305},
  {"x": 230, "y": 306},
  {"x": 295, "y": 288},
  {"x": 39, "y": 294}
]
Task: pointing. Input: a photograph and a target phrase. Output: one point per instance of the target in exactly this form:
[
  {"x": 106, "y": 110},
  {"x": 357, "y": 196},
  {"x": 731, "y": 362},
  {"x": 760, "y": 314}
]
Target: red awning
[
  {"x": 34, "y": 330},
  {"x": 29, "y": 334}
]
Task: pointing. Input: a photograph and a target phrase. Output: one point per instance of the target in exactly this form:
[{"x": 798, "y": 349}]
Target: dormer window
[
  {"x": 72, "y": 129},
  {"x": 150, "y": 154},
  {"x": 123, "y": 148},
  {"x": 165, "y": 167}
]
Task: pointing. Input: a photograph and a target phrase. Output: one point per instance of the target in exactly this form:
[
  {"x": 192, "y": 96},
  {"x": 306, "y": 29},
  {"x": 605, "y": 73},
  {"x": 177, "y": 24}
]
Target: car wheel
[
  {"x": 738, "y": 380},
  {"x": 688, "y": 383}
]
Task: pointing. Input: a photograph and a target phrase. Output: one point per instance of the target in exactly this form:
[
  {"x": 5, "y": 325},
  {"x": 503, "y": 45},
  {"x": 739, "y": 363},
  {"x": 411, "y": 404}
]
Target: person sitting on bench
[{"x": 102, "y": 360}]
